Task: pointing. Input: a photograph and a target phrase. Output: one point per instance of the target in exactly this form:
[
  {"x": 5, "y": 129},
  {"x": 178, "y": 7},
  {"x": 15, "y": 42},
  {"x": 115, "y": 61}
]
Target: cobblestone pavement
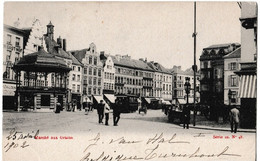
[{"x": 133, "y": 126}]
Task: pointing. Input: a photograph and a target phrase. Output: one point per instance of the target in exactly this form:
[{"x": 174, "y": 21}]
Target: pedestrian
[
  {"x": 58, "y": 107},
  {"x": 234, "y": 118},
  {"x": 100, "y": 110},
  {"x": 116, "y": 112},
  {"x": 90, "y": 106},
  {"x": 186, "y": 116},
  {"x": 106, "y": 109},
  {"x": 85, "y": 106}
]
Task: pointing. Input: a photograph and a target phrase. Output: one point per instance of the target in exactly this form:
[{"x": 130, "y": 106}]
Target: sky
[{"x": 158, "y": 31}]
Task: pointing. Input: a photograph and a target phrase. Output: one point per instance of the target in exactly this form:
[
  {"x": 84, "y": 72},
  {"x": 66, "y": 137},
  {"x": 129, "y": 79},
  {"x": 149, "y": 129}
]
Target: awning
[
  {"x": 182, "y": 101},
  {"x": 166, "y": 102},
  {"x": 148, "y": 100},
  {"x": 110, "y": 97},
  {"x": 174, "y": 102},
  {"x": 247, "y": 87},
  {"x": 98, "y": 98}
]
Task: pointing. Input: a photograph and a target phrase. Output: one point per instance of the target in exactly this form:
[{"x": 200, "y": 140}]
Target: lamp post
[
  {"x": 187, "y": 87},
  {"x": 194, "y": 66}
]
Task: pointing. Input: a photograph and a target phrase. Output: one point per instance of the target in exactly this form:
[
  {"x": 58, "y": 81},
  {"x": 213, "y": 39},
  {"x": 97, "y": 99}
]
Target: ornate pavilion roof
[{"x": 41, "y": 61}]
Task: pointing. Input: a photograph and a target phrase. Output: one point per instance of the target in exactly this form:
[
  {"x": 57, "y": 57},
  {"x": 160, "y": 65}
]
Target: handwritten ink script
[
  {"x": 18, "y": 139},
  {"x": 151, "y": 148}
]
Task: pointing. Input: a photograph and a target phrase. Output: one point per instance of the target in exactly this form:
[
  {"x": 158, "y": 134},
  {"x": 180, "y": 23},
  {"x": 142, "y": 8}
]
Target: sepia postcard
[{"x": 118, "y": 81}]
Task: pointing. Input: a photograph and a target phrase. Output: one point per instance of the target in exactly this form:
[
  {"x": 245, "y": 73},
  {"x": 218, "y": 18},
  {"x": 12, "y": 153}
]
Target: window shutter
[
  {"x": 229, "y": 80},
  {"x": 229, "y": 66},
  {"x": 237, "y": 81}
]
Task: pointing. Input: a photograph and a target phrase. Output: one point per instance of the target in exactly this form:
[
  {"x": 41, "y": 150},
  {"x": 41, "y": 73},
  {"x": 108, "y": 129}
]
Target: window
[
  {"x": 95, "y": 60},
  {"x": 164, "y": 87},
  {"x": 99, "y": 91},
  {"x": 94, "y": 91},
  {"x": 85, "y": 81},
  {"x": 35, "y": 47},
  {"x": 90, "y": 71},
  {"x": 73, "y": 87},
  {"x": 233, "y": 80},
  {"x": 86, "y": 70},
  {"x": 95, "y": 71},
  {"x": 84, "y": 90},
  {"x": 90, "y": 59},
  {"x": 78, "y": 77},
  {"x": 9, "y": 38},
  {"x": 89, "y": 91},
  {"x": 8, "y": 57},
  {"x": 205, "y": 64},
  {"x": 99, "y": 72},
  {"x": 94, "y": 81},
  {"x": 79, "y": 69},
  {"x": 73, "y": 77},
  {"x": 78, "y": 88},
  {"x": 90, "y": 81},
  {"x": 233, "y": 66},
  {"x": 17, "y": 41}
]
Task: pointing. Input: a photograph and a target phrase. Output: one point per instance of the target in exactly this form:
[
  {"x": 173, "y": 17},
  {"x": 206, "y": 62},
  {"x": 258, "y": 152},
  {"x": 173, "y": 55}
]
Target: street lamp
[{"x": 187, "y": 87}]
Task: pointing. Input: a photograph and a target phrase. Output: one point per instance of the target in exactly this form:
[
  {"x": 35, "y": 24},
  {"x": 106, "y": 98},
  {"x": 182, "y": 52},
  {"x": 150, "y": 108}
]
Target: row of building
[
  {"x": 90, "y": 75},
  {"x": 227, "y": 74}
]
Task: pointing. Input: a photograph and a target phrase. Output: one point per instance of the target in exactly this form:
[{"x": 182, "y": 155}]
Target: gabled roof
[
  {"x": 234, "y": 54},
  {"x": 75, "y": 61},
  {"x": 132, "y": 63},
  {"x": 158, "y": 67},
  {"x": 14, "y": 29},
  {"x": 79, "y": 54}
]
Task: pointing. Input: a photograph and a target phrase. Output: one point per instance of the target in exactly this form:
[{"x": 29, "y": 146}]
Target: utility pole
[{"x": 194, "y": 67}]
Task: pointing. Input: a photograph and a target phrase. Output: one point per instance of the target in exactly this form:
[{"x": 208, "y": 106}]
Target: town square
[{"x": 129, "y": 81}]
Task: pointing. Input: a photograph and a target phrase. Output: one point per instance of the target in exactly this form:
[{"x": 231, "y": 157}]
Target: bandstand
[{"x": 44, "y": 81}]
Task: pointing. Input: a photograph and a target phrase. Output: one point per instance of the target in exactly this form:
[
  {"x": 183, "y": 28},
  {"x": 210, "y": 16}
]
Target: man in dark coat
[
  {"x": 100, "y": 110},
  {"x": 116, "y": 111},
  {"x": 186, "y": 116}
]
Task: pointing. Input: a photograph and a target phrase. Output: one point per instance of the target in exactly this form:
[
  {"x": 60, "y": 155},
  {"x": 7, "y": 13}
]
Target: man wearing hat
[
  {"x": 234, "y": 118},
  {"x": 100, "y": 110}
]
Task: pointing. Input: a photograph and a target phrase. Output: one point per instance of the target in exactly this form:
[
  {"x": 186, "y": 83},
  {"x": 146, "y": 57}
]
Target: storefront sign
[{"x": 9, "y": 89}]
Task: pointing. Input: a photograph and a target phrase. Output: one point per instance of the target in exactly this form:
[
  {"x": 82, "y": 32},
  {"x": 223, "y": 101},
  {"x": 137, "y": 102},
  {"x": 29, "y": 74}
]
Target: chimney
[
  {"x": 59, "y": 41},
  {"x": 145, "y": 60},
  {"x": 102, "y": 55},
  {"x": 64, "y": 45}
]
